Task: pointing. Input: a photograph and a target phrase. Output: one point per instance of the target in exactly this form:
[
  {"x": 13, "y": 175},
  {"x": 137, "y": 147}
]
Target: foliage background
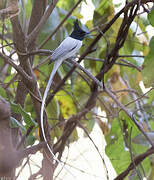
[{"x": 132, "y": 65}]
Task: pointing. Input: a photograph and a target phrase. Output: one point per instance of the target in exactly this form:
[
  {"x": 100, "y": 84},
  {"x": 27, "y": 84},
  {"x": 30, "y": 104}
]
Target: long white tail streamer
[{"x": 57, "y": 63}]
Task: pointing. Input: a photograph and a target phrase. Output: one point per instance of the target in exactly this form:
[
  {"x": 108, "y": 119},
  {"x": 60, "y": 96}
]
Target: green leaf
[
  {"x": 124, "y": 117},
  {"x": 104, "y": 11},
  {"x": 2, "y": 92},
  {"x": 30, "y": 140},
  {"x": 16, "y": 108},
  {"x": 15, "y": 124},
  {"x": 151, "y": 16},
  {"x": 67, "y": 105},
  {"x": 89, "y": 122},
  {"x": 151, "y": 97},
  {"x": 56, "y": 133},
  {"x": 74, "y": 136},
  {"x": 67, "y": 5},
  {"x": 53, "y": 111},
  {"x": 115, "y": 149},
  {"x": 147, "y": 71}
]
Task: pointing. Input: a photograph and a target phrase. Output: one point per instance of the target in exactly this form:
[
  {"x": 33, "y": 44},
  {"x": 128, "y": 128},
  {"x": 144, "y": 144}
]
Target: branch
[
  {"x": 11, "y": 11},
  {"x": 131, "y": 56},
  {"x": 8, "y": 153},
  {"x": 143, "y": 95},
  {"x": 87, "y": 73},
  {"x": 127, "y": 90},
  {"x": 43, "y": 52},
  {"x": 86, "y": 132},
  {"x": 69, "y": 127},
  {"x": 61, "y": 23},
  {"x": 32, "y": 36},
  {"x": 24, "y": 137},
  {"x": 131, "y": 65},
  {"x": 19, "y": 69},
  {"x": 128, "y": 64},
  {"x": 129, "y": 15},
  {"x": 31, "y": 150},
  {"x": 37, "y": 12},
  {"x": 137, "y": 160},
  {"x": 130, "y": 115},
  {"x": 90, "y": 47}
]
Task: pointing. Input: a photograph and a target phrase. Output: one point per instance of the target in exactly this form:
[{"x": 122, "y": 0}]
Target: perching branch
[
  {"x": 88, "y": 73},
  {"x": 90, "y": 47}
]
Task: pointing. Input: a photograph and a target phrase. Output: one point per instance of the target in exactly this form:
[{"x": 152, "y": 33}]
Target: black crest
[{"x": 78, "y": 33}]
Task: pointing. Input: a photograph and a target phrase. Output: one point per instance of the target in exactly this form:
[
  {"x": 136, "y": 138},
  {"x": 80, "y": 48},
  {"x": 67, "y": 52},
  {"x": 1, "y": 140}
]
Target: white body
[{"x": 66, "y": 49}]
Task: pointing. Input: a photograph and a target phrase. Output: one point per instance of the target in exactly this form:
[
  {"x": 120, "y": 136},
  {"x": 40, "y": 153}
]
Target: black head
[{"x": 78, "y": 33}]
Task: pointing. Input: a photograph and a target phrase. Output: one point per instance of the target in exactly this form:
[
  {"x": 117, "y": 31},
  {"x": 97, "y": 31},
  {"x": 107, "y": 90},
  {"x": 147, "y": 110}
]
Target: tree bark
[{"x": 8, "y": 154}]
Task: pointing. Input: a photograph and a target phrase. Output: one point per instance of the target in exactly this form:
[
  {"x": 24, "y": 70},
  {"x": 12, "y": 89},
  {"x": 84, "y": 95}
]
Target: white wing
[{"x": 66, "y": 49}]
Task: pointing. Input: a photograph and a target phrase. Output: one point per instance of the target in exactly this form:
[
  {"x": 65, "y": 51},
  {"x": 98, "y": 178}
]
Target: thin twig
[
  {"x": 60, "y": 24},
  {"x": 86, "y": 132},
  {"x": 131, "y": 65},
  {"x": 43, "y": 52},
  {"x": 9, "y": 44},
  {"x": 129, "y": 114},
  {"x": 42, "y": 62},
  {"x": 24, "y": 16},
  {"x": 33, "y": 176},
  {"x": 19, "y": 69},
  {"x": 11, "y": 81},
  {"x": 23, "y": 166},
  {"x": 31, "y": 37},
  {"x": 127, "y": 90},
  {"x": 127, "y": 64},
  {"x": 87, "y": 73},
  {"x": 24, "y": 137},
  {"x": 84, "y": 78},
  {"x": 131, "y": 56},
  {"x": 139, "y": 97},
  {"x": 31, "y": 150},
  {"x": 137, "y": 160}
]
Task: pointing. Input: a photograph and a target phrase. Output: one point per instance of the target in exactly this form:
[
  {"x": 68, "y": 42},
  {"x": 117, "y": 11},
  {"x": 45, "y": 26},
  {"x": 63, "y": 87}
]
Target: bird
[{"x": 67, "y": 48}]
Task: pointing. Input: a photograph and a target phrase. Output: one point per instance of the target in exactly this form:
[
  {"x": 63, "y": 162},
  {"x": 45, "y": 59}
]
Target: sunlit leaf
[
  {"x": 147, "y": 72},
  {"x": 14, "y": 124},
  {"x": 115, "y": 148},
  {"x": 30, "y": 140},
  {"x": 16, "y": 108},
  {"x": 151, "y": 16},
  {"x": 66, "y": 104}
]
